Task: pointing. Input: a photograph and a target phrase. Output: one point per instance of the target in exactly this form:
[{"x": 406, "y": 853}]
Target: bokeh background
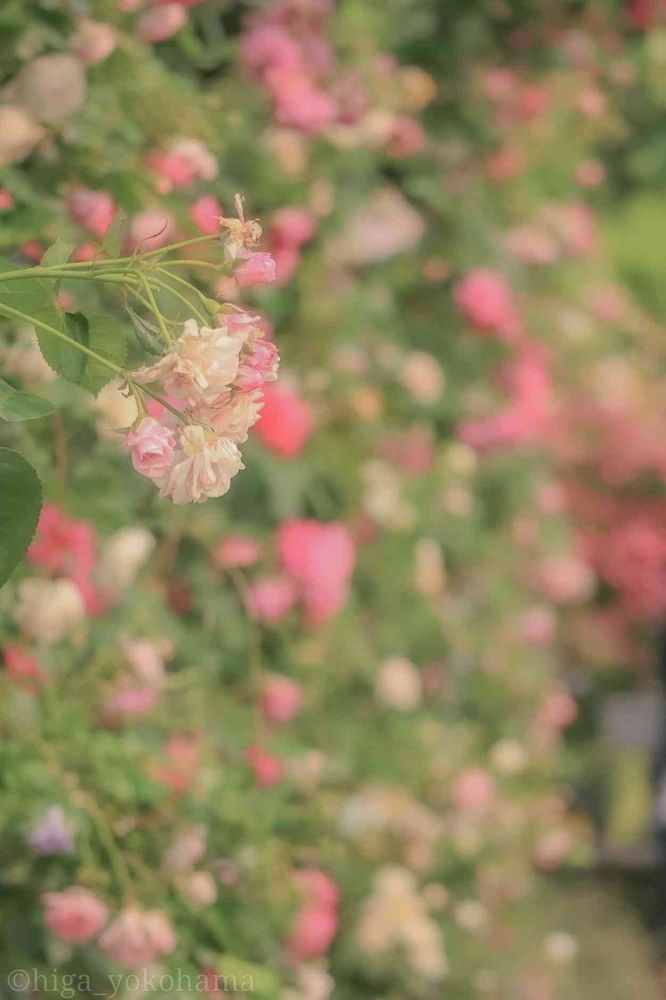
[{"x": 386, "y": 721}]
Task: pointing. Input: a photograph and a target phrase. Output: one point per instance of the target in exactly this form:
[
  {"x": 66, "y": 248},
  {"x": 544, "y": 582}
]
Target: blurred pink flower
[
  {"x": 75, "y": 915},
  {"x": 320, "y": 558},
  {"x": 267, "y": 767},
  {"x": 237, "y": 551},
  {"x": 137, "y": 937},
  {"x": 281, "y": 698},
  {"x": 161, "y": 22},
  {"x": 474, "y": 790},
  {"x": 94, "y": 210},
  {"x": 285, "y": 423},
  {"x": 206, "y": 213},
  {"x": 93, "y": 41},
  {"x": 485, "y": 299},
  {"x": 271, "y": 598}
]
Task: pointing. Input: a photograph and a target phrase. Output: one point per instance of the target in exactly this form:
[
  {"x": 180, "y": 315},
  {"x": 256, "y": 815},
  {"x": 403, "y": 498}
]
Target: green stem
[
  {"x": 182, "y": 281},
  {"x": 33, "y": 321},
  {"x": 154, "y": 308},
  {"x": 178, "y": 295}
]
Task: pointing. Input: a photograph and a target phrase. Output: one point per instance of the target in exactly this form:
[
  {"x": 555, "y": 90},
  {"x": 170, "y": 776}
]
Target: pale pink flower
[
  {"x": 537, "y": 625},
  {"x": 281, "y": 698},
  {"x": 160, "y": 23},
  {"x": 318, "y": 887},
  {"x": 237, "y": 551},
  {"x": 151, "y": 229},
  {"x": 203, "y": 466},
  {"x": 565, "y": 578},
  {"x": 300, "y": 103},
  {"x": 266, "y": 47},
  {"x": 152, "y": 447},
  {"x": 286, "y": 421},
  {"x": 406, "y": 138},
  {"x": 233, "y": 417},
  {"x": 76, "y": 915},
  {"x": 255, "y": 269},
  {"x": 474, "y": 790},
  {"x": 199, "y": 368},
  {"x": 259, "y": 366},
  {"x": 320, "y": 558},
  {"x": 271, "y": 598},
  {"x": 137, "y": 937},
  {"x": 267, "y": 767},
  {"x": 206, "y": 213},
  {"x": 6, "y": 200},
  {"x": 92, "y": 209},
  {"x": 559, "y": 710},
  {"x": 313, "y": 933},
  {"x": 93, "y": 41},
  {"x": 292, "y": 226},
  {"x": 486, "y": 301}
]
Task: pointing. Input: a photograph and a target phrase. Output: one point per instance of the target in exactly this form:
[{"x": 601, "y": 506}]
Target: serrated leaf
[
  {"x": 25, "y": 294},
  {"x": 58, "y": 253},
  {"x": 64, "y": 359},
  {"x": 15, "y": 405},
  {"x": 20, "y": 504},
  {"x": 107, "y": 337},
  {"x": 113, "y": 241}
]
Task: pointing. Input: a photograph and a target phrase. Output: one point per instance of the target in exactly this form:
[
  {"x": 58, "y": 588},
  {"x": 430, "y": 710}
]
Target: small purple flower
[{"x": 52, "y": 836}]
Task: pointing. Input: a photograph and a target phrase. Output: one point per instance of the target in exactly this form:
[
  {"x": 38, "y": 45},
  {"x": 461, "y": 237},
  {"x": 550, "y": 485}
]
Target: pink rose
[
  {"x": 267, "y": 767},
  {"x": 318, "y": 887},
  {"x": 271, "y": 598},
  {"x": 160, "y": 23},
  {"x": 320, "y": 558},
  {"x": 281, "y": 698},
  {"x": 285, "y": 423},
  {"x": 259, "y": 366},
  {"x": 256, "y": 269},
  {"x": 558, "y": 711},
  {"x": 137, "y": 937},
  {"x": 237, "y": 551},
  {"x": 75, "y": 915},
  {"x": 292, "y": 226},
  {"x": 92, "y": 209},
  {"x": 206, "y": 213},
  {"x": 93, "y": 41},
  {"x": 152, "y": 447},
  {"x": 485, "y": 299},
  {"x": 21, "y": 666},
  {"x": 474, "y": 791},
  {"x": 313, "y": 932},
  {"x": 151, "y": 229}
]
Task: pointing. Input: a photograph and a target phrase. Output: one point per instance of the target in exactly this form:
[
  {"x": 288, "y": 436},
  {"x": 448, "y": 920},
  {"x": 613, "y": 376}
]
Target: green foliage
[{"x": 20, "y": 503}]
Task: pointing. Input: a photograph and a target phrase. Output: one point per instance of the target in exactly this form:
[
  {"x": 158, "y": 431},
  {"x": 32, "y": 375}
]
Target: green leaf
[
  {"x": 58, "y": 253},
  {"x": 28, "y": 295},
  {"x": 20, "y": 504},
  {"x": 247, "y": 976},
  {"x": 65, "y": 359},
  {"x": 113, "y": 241},
  {"x": 107, "y": 337},
  {"x": 15, "y": 405}
]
